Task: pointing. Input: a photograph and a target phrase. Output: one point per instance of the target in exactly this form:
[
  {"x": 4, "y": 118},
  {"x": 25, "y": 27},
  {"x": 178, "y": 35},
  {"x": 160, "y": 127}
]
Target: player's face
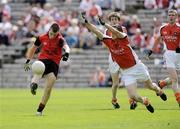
[
  {"x": 172, "y": 17},
  {"x": 52, "y": 34},
  {"x": 114, "y": 21}
]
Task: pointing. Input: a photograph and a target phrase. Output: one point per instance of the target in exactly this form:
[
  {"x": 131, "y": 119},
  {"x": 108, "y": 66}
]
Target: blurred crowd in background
[{"x": 40, "y": 14}]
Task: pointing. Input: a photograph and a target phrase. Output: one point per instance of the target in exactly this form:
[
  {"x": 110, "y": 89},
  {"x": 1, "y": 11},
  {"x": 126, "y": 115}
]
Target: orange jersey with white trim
[
  {"x": 171, "y": 36},
  {"x": 121, "y": 51}
]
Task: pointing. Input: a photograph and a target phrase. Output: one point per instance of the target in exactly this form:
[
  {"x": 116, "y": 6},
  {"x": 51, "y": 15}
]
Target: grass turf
[{"x": 85, "y": 109}]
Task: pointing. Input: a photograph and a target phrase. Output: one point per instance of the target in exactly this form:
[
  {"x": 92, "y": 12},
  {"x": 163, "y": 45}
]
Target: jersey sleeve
[
  {"x": 160, "y": 29},
  {"x": 37, "y": 42},
  {"x": 106, "y": 39}
]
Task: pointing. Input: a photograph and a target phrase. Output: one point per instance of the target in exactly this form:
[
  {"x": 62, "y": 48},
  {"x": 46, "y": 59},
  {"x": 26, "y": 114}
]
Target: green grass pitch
[{"x": 85, "y": 109}]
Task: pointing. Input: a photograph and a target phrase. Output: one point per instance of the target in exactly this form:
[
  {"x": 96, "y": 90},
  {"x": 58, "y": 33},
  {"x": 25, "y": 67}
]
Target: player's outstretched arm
[
  {"x": 92, "y": 27},
  {"x": 112, "y": 29}
]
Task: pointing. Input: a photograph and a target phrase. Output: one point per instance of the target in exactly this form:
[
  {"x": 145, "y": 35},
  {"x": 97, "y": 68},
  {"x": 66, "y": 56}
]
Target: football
[{"x": 38, "y": 67}]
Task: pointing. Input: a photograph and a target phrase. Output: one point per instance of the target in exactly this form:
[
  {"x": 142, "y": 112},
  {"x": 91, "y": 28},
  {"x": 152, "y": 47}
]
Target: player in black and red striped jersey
[{"x": 52, "y": 44}]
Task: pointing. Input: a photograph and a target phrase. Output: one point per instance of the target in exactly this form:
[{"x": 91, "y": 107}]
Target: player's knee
[
  {"x": 115, "y": 85},
  {"x": 52, "y": 77}
]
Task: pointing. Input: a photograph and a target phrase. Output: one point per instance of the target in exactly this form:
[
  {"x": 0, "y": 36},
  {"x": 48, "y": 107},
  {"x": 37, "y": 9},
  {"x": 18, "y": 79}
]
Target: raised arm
[
  {"x": 114, "y": 31},
  {"x": 92, "y": 27}
]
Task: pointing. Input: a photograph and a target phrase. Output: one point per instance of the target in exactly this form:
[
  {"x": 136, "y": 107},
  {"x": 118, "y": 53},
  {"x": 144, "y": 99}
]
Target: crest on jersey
[
  {"x": 44, "y": 43},
  {"x": 164, "y": 32},
  {"x": 175, "y": 33}
]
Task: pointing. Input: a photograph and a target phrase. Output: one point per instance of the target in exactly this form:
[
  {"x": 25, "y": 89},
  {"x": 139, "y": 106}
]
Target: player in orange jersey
[
  {"x": 114, "y": 69},
  {"x": 132, "y": 69},
  {"x": 170, "y": 34}
]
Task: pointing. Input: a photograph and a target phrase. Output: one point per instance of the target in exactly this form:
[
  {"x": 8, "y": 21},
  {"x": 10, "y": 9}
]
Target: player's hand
[
  {"x": 101, "y": 21},
  {"x": 148, "y": 53},
  {"x": 65, "y": 56},
  {"x": 27, "y": 66},
  {"x": 83, "y": 16}
]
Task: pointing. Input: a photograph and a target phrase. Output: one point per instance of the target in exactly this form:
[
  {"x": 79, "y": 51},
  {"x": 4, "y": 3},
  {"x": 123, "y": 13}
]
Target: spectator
[
  {"x": 86, "y": 39},
  {"x": 157, "y": 24},
  {"x": 21, "y": 29},
  {"x": 85, "y": 5},
  {"x": 134, "y": 24},
  {"x": 104, "y": 4},
  {"x": 148, "y": 41},
  {"x": 1, "y": 13},
  {"x": 98, "y": 78},
  {"x": 137, "y": 40},
  {"x": 72, "y": 33},
  {"x": 118, "y": 5},
  {"x": 4, "y": 40},
  {"x": 150, "y": 4},
  {"x": 32, "y": 2},
  {"x": 95, "y": 10},
  {"x": 162, "y": 3},
  {"x": 7, "y": 25},
  {"x": 6, "y": 8}
]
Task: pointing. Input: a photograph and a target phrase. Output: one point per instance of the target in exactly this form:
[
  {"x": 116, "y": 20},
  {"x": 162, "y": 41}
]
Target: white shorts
[
  {"x": 172, "y": 59},
  {"x": 139, "y": 72},
  {"x": 113, "y": 66}
]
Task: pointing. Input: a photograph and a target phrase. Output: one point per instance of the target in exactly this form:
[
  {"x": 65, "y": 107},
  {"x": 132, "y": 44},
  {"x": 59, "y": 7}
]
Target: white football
[{"x": 38, "y": 67}]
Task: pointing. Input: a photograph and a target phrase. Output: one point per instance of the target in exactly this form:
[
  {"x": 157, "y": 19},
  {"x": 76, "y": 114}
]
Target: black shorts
[{"x": 50, "y": 66}]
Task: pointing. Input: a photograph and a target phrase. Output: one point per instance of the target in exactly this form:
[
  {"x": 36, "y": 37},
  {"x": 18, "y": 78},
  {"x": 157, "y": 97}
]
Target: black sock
[{"x": 41, "y": 107}]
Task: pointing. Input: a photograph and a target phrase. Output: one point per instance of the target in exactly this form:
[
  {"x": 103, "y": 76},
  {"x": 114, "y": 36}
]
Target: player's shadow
[
  {"x": 101, "y": 109},
  {"x": 31, "y": 115},
  {"x": 168, "y": 109},
  {"x": 159, "y": 109}
]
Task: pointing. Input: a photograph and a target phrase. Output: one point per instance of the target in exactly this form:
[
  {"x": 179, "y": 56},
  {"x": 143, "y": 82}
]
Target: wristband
[{"x": 27, "y": 61}]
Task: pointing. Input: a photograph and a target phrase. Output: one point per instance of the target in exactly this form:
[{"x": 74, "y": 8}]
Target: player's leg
[
  {"x": 49, "y": 83},
  {"x": 170, "y": 61},
  {"x": 174, "y": 77},
  {"x": 34, "y": 83},
  {"x": 133, "y": 104},
  {"x": 114, "y": 71},
  {"x": 153, "y": 86},
  {"x": 162, "y": 83},
  {"x": 132, "y": 92},
  {"x": 115, "y": 83}
]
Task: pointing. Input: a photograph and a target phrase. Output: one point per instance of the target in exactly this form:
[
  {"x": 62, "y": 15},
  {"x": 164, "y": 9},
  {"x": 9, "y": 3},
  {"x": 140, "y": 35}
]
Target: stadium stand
[{"x": 75, "y": 73}]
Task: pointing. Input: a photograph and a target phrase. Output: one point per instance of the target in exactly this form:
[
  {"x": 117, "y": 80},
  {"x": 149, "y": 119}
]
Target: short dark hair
[
  {"x": 55, "y": 27},
  {"x": 114, "y": 14}
]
